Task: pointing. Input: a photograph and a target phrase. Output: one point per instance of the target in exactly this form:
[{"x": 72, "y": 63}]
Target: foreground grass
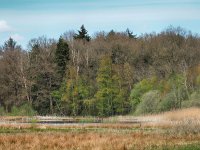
[
  {"x": 179, "y": 130},
  {"x": 102, "y": 137},
  {"x": 92, "y": 140}
]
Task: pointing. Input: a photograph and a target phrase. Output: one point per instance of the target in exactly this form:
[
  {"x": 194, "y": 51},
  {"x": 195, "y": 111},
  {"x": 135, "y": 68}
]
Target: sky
[{"x": 26, "y": 19}]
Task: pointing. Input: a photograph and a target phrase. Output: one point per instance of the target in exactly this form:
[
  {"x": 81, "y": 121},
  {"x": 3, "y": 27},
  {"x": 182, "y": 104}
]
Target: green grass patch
[{"x": 194, "y": 146}]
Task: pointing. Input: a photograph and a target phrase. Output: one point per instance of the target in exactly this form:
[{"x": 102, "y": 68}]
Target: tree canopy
[{"x": 111, "y": 73}]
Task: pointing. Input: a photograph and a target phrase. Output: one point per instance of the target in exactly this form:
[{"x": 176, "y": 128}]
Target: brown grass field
[
  {"x": 170, "y": 130},
  {"x": 91, "y": 140}
]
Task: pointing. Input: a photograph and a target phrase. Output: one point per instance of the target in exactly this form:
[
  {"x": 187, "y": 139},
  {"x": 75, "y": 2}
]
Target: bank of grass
[
  {"x": 98, "y": 137},
  {"x": 96, "y": 141},
  {"x": 195, "y": 146},
  {"x": 98, "y": 128},
  {"x": 177, "y": 130}
]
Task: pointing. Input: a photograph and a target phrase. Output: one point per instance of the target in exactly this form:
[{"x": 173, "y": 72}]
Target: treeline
[{"x": 114, "y": 73}]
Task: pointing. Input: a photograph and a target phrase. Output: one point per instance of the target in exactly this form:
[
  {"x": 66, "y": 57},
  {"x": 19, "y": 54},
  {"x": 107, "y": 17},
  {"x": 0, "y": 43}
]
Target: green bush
[
  {"x": 193, "y": 102},
  {"x": 139, "y": 89},
  {"x": 195, "y": 95},
  {"x": 198, "y": 81},
  {"x": 176, "y": 82},
  {"x": 23, "y": 110},
  {"x": 168, "y": 102},
  {"x": 2, "y": 111},
  {"x": 149, "y": 103}
]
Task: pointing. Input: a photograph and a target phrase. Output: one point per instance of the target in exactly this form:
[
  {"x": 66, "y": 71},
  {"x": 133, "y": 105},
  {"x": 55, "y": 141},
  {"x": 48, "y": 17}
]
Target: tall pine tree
[
  {"x": 82, "y": 34},
  {"x": 10, "y": 45},
  {"x": 62, "y": 56}
]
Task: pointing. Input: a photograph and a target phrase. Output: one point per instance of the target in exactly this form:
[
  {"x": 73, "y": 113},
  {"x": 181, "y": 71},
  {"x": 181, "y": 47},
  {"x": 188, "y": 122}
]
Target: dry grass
[
  {"x": 180, "y": 127},
  {"x": 184, "y": 114},
  {"x": 169, "y": 118},
  {"x": 89, "y": 140},
  {"x": 186, "y": 121}
]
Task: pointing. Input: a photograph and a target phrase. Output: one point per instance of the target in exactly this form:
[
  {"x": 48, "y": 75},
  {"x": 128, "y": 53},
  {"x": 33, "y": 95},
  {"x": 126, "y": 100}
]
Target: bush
[
  {"x": 2, "y": 111},
  {"x": 149, "y": 103},
  {"x": 141, "y": 88},
  {"x": 195, "y": 96},
  {"x": 169, "y": 102},
  {"x": 24, "y": 110},
  {"x": 193, "y": 102}
]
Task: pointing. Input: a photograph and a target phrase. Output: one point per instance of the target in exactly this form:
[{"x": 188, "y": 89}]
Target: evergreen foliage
[
  {"x": 62, "y": 56},
  {"x": 82, "y": 34}
]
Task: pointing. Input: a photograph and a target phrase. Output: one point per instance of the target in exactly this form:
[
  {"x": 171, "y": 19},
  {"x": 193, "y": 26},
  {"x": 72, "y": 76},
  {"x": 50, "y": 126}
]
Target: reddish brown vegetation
[{"x": 90, "y": 140}]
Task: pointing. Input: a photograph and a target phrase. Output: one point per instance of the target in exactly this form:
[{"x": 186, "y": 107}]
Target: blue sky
[{"x": 26, "y": 19}]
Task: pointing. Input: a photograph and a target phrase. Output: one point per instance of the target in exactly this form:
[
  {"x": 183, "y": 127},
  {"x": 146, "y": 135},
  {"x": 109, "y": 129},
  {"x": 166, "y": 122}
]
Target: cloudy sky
[{"x": 26, "y": 19}]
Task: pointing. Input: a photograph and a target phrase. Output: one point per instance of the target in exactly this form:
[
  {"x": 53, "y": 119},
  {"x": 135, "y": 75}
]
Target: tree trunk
[{"x": 50, "y": 98}]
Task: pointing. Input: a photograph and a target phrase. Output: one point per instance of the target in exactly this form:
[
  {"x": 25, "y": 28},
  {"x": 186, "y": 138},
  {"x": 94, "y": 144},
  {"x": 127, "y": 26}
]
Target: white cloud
[
  {"x": 17, "y": 37},
  {"x": 4, "y": 27}
]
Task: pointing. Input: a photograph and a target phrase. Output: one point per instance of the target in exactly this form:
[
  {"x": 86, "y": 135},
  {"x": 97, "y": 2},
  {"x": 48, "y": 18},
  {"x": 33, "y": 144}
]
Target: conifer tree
[
  {"x": 105, "y": 93},
  {"x": 82, "y": 34},
  {"x": 130, "y": 34},
  {"x": 62, "y": 56},
  {"x": 10, "y": 45},
  {"x": 75, "y": 92}
]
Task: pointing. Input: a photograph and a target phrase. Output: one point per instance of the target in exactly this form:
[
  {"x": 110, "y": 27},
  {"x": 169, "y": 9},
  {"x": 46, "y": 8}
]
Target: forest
[{"x": 107, "y": 74}]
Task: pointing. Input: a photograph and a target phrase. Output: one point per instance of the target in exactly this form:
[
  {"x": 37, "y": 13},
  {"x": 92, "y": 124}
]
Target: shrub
[
  {"x": 2, "y": 111},
  {"x": 24, "y": 110},
  {"x": 168, "y": 102},
  {"x": 149, "y": 103},
  {"x": 198, "y": 80},
  {"x": 139, "y": 89},
  {"x": 194, "y": 100},
  {"x": 191, "y": 103},
  {"x": 195, "y": 95}
]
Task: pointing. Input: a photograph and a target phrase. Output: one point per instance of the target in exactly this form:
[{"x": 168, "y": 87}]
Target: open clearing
[{"x": 171, "y": 130}]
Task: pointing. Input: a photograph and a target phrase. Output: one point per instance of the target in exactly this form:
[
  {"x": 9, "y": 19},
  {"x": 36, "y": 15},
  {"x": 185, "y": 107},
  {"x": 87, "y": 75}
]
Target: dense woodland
[{"x": 107, "y": 74}]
